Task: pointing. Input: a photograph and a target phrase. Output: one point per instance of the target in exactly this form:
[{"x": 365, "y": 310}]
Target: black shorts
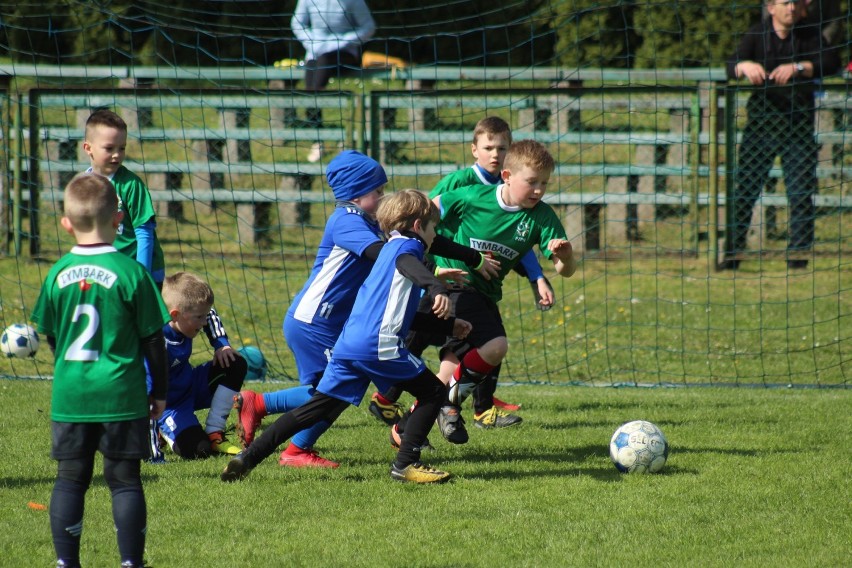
[
  {"x": 418, "y": 341},
  {"x": 127, "y": 439},
  {"x": 482, "y": 313}
]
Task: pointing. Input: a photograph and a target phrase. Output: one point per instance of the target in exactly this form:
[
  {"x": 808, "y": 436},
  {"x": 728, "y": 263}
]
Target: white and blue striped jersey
[
  {"x": 384, "y": 308},
  {"x": 339, "y": 270}
]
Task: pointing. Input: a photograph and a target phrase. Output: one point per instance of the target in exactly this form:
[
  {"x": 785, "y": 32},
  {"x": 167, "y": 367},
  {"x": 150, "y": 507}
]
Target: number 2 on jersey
[{"x": 77, "y": 351}]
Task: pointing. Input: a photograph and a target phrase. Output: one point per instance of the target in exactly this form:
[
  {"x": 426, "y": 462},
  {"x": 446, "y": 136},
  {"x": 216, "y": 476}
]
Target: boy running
[
  {"x": 504, "y": 221},
  {"x": 372, "y": 344}
]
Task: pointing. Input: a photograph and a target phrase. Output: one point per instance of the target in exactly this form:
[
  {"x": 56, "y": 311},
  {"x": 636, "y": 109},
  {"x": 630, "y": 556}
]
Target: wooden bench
[{"x": 205, "y": 143}]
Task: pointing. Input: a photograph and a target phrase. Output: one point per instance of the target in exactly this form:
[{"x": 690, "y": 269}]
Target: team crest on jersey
[
  {"x": 85, "y": 276},
  {"x": 495, "y": 248},
  {"x": 522, "y": 231}
]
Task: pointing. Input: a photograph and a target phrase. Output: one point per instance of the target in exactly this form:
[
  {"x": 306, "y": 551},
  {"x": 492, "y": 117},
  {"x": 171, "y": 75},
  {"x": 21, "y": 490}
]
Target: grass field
[
  {"x": 637, "y": 320},
  {"x": 756, "y": 477}
]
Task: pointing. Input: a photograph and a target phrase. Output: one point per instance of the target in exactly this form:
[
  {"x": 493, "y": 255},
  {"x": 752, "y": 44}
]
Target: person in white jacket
[{"x": 332, "y": 33}]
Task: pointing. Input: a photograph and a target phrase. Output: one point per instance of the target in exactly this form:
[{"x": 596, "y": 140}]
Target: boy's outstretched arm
[{"x": 562, "y": 254}]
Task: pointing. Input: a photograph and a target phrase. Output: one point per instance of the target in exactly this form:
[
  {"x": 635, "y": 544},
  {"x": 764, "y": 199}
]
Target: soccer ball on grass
[
  {"x": 638, "y": 447},
  {"x": 19, "y": 340},
  {"x": 257, "y": 366}
]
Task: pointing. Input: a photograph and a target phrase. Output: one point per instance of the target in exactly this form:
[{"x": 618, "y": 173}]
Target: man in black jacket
[{"x": 784, "y": 60}]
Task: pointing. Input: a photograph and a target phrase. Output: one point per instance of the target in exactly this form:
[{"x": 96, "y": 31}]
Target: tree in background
[
  {"x": 591, "y": 33},
  {"x": 689, "y": 34},
  {"x": 571, "y": 33}
]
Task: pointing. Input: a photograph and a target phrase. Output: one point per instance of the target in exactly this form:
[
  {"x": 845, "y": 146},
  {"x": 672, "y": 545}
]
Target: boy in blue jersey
[
  {"x": 212, "y": 385},
  {"x": 349, "y": 247},
  {"x": 371, "y": 346}
]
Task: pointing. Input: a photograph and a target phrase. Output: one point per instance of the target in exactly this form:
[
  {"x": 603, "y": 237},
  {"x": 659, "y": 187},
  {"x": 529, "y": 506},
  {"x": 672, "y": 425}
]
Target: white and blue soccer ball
[
  {"x": 257, "y": 365},
  {"x": 19, "y": 340},
  {"x": 638, "y": 447}
]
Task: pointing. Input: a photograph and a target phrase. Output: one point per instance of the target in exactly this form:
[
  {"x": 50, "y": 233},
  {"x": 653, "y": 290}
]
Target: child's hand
[
  {"x": 156, "y": 408},
  {"x": 562, "y": 257},
  {"x": 451, "y": 276},
  {"x": 441, "y": 306},
  {"x": 461, "y": 328},
  {"x": 561, "y": 249},
  {"x": 545, "y": 292},
  {"x": 490, "y": 267},
  {"x": 224, "y": 356}
]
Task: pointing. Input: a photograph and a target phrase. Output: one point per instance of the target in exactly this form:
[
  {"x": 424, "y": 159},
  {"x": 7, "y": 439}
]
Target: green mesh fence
[{"x": 648, "y": 158}]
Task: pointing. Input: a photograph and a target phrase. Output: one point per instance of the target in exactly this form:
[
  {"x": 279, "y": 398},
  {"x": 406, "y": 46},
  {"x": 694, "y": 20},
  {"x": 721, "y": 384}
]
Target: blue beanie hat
[{"x": 351, "y": 174}]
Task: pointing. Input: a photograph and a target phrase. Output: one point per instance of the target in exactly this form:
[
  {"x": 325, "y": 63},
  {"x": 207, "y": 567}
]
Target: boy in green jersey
[
  {"x": 504, "y": 221},
  {"x": 105, "y": 144},
  {"x": 102, "y": 316},
  {"x": 492, "y": 137}
]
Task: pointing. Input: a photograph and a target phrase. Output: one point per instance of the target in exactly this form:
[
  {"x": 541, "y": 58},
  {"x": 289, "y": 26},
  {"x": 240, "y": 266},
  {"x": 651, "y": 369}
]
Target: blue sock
[{"x": 287, "y": 399}]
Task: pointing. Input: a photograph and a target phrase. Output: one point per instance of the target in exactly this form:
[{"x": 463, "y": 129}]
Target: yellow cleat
[
  {"x": 220, "y": 444},
  {"x": 418, "y": 473}
]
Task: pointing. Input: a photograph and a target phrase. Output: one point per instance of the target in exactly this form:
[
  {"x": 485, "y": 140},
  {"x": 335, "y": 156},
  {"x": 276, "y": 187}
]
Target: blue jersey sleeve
[
  {"x": 145, "y": 244},
  {"x": 533, "y": 268},
  {"x": 355, "y": 233}
]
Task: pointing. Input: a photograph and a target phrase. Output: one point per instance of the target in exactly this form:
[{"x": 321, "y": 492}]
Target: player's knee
[
  {"x": 495, "y": 350},
  {"x": 234, "y": 374},
  {"x": 192, "y": 444},
  {"x": 77, "y": 471},
  {"x": 119, "y": 473}
]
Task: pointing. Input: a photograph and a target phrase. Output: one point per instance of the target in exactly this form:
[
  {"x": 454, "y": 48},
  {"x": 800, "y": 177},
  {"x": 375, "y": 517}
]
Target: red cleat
[
  {"x": 507, "y": 406},
  {"x": 250, "y": 411},
  {"x": 295, "y": 456}
]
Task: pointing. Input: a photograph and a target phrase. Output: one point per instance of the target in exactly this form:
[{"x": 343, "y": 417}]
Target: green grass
[
  {"x": 756, "y": 477},
  {"x": 652, "y": 320}
]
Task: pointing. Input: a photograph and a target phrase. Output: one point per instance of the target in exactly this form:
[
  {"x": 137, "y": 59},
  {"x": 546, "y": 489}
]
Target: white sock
[{"x": 220, "y": 407}]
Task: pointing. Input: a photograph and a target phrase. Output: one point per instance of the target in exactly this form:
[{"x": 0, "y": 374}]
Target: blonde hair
[
  {"x": 397, "y": 212},
  {"x": 185, "y": 291},
  {"x": 531, "y": 154},
  {"x": 491, "y": 125},
  {"x": 104, "y": 117},
  {"x": 90, "y": 201}
]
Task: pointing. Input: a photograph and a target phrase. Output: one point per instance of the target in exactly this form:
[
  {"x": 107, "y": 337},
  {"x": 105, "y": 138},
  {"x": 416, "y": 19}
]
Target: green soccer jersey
[
  {"x": 98, "y": 304},
  {"x": 485, "y": 223},
  {"x": 451, "y": 182},
  {"x": 135, "y": 201}
]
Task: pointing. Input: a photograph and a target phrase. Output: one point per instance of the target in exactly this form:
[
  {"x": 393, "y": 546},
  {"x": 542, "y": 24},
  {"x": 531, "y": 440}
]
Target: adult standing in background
[
  {"x": 332, "y": 33},
  {"x": 785, "y": 59}
]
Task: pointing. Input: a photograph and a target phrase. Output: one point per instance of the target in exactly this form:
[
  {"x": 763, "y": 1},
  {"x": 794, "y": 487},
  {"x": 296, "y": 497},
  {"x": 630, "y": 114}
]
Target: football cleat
[
  {"x": 221, "y": 445},
  {"x": 238, "y": 468},
  {"x": 250, "y": 411},
  {"x": 496, "y": 418},
  {"x": 305, "y": 458},
  {"x": 418, "y": 473},
  {"x": 451, "y": 424},
  {"x": 387, "y": 413},
  {"x": 507, "y": 406},
  {"x": 396, "y": 440}
]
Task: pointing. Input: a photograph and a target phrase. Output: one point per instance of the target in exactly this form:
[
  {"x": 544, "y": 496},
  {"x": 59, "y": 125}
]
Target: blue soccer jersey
[
  {"x": 339, "y": 270},
  {"x": 372, "y": 344}
]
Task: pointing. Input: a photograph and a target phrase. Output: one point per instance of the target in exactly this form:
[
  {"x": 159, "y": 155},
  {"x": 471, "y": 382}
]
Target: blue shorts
[
  {"x": 348, "y": 380},
  {"x": 311, "y": 346},
  {"x": 180, "y": 414}
]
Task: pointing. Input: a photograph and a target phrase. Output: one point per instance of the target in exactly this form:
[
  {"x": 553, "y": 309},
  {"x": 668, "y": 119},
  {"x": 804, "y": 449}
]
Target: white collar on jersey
[
  {"x": 91, "y": 250},
  {"x": 502, "y": 204}
]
